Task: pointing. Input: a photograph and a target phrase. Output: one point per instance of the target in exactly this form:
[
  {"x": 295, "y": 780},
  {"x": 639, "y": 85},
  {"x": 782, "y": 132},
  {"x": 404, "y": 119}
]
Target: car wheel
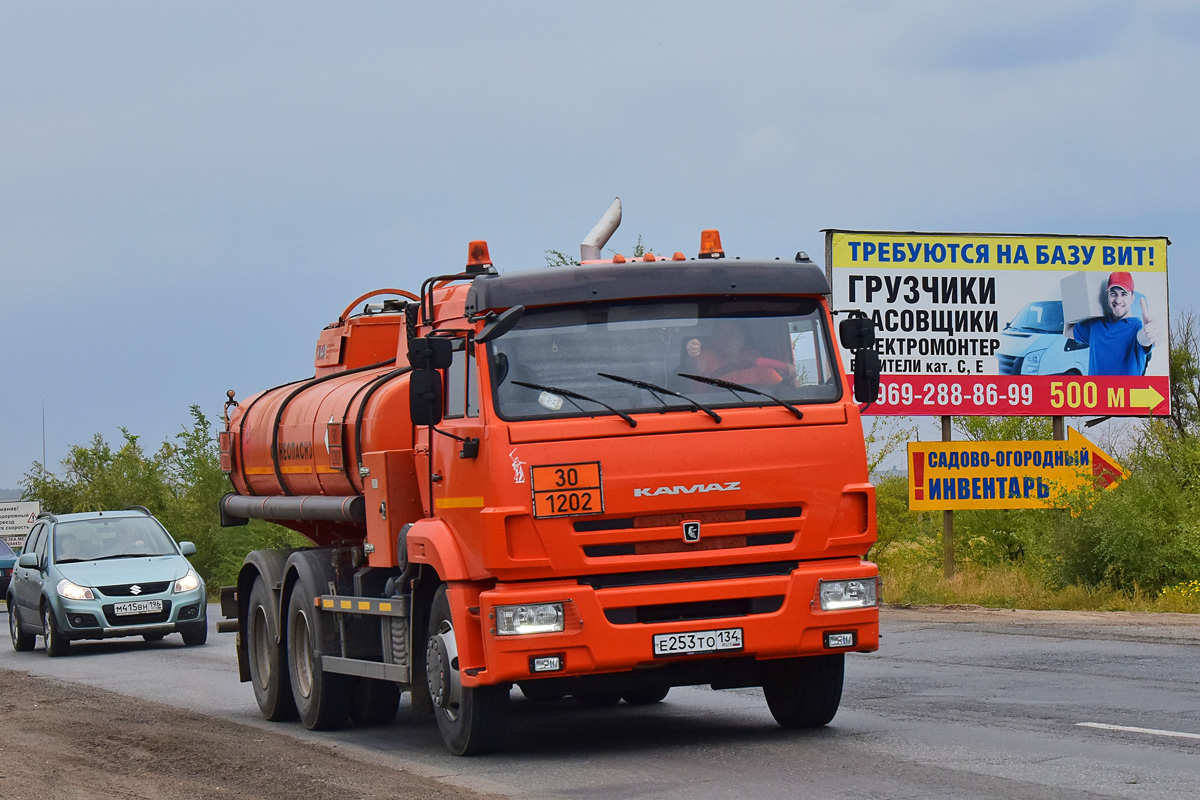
[
  {"x": 56, "y": 643},
  {"x": 268, "y": 667},
  {"x": 153, "y": 637},
  {"x": 471, "y": 719},
  {"x": 21, "y": 641},
  {"x": 322, "y": 698},
  {"x": 804, "y": 692},
  {"x": 194, "y": 637},
  {"x": 645, "y": 696}
]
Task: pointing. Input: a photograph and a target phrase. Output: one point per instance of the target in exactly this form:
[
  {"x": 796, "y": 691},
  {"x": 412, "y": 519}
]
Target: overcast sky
[{"x": 189, "y": 192}]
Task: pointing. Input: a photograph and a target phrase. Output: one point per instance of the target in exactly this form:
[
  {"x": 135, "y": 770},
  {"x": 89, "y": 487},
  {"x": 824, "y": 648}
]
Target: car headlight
[
  {"x": 526, "y": 619},
  {"x": 1033, "y": 362},
  {"x": 73, "y": 591},
  {"x": 188, "y": 582},
  {"x": 857, "y": 593}
]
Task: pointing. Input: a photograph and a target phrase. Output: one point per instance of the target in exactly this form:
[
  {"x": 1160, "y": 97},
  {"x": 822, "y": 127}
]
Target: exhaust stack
[{"x": 589, "y": 249}]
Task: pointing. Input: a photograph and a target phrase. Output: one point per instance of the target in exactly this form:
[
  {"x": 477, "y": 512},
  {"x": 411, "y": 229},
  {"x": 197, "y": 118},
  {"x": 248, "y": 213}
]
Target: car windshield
[
  {"x": 115, "y": 537},
  {"x": 5, "y": 550},
  {"x": 1044, "y": 316},
  {"x": 634, "y": 357}
]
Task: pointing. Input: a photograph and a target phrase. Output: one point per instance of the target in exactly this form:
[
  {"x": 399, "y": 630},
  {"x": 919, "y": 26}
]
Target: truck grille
[
  {"x": 680, "y": 612},
  {"x": 689, "y": 575}
]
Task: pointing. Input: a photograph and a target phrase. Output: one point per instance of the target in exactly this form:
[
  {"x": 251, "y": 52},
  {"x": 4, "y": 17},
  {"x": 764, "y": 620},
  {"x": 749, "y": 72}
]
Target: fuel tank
[{"x": 306, "y": 438}]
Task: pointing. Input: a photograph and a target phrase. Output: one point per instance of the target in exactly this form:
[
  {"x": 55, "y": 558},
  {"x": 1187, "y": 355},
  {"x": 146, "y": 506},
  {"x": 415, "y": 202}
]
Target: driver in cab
[{"x": 726, "y": 355}]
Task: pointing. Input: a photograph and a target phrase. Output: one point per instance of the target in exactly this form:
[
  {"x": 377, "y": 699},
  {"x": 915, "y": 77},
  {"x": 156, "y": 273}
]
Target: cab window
[{"x": 462, "y": 384}]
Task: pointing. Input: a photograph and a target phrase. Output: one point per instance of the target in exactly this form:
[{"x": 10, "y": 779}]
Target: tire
[
  {"x": 195, "y": 636},
  {"x": 268, "y": 668},
  {"x": 322, "y": 698},
  {"x": 804, "y": 692},
  {"x": 153, "y": 637},
  {"x": 56, "y": 644},
  {"x": 598, "y": 699},
  {"x": 374, "y": 702},
  {"x": 471, "y": 720},
  {"x": 645, "y": 696},
  {"x": 21, "y": 641}
]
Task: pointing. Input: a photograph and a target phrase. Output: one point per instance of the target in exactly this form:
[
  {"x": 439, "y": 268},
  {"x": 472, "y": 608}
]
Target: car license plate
[
  {"x": 137, "y": 607},
  {"x": 686, "y": 644}
]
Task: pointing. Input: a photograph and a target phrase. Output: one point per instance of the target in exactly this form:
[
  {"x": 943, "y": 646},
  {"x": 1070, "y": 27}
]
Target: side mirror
[
  {"x": 430, "y": 352},
  {"x": 857, "y": 333},
  {"x": 866, "y": 376},
  {"x": 425, "y": 396},
  {"x": 500, "y": 325},
  {"x": 187, "y": 548},
  {"x": 28, "y": 561}
]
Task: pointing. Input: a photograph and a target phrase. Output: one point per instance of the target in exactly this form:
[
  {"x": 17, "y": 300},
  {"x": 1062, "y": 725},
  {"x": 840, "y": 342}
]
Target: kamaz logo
[{"x": 695, "y": 488}]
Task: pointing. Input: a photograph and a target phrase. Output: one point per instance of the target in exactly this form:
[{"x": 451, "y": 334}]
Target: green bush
[{"x": 180, "y": 483}]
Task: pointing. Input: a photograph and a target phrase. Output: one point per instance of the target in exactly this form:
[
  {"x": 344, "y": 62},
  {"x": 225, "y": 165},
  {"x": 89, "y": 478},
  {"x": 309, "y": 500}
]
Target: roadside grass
[{"x": 1012, "y": 586}]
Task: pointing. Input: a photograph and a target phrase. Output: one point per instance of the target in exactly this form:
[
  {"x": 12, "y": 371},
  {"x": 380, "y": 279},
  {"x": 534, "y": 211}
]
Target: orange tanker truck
[{"x": 602, "y": 481}]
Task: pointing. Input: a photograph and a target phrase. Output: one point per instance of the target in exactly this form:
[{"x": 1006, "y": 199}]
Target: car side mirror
[
  {"x": 187, "y": 548},
  {"x": 500, "y": 325},
  {"x": 866, "y": 376},
  {"x": 857, "y": 333},
  {"x": 425, "y": 396},
  {"x": 28, "y": 561}
]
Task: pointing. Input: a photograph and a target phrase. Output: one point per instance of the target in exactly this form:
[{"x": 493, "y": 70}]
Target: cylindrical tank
[{"x": 308, "y": 437}]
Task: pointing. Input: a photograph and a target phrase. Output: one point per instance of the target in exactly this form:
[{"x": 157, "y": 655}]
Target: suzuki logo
[
  {"x": 135, "y": 589},
  {"x": 691, "y": 531}
]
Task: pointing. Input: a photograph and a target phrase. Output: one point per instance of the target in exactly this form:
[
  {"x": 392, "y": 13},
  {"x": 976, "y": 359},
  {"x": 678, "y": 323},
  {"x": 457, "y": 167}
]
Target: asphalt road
[{"x": 955, "y": 704}]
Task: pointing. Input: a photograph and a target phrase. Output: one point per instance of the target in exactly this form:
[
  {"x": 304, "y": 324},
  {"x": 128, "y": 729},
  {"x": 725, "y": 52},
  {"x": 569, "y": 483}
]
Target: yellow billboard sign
[{"x": 945, "y": 476}]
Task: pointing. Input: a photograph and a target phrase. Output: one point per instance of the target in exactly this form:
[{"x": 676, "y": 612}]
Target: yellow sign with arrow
[{"x": 976, "y": 475}]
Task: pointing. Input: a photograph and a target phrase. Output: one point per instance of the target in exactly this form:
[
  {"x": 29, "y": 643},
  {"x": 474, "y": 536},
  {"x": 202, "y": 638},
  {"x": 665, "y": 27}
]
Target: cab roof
[{"x": 595, "y": 283}]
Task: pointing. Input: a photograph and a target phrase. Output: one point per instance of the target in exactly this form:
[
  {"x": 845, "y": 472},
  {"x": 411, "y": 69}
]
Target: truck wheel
[
  {"x": 645, "y": 696},
  {"x": 804, "y": 692},
  {"x": 21, "y": 641},
  {"x": 268, "y": 673},
  {"x": 56, "y": 643},
  {"x": 374, "y": 702},
  {"x": 471, "y": 720},
  {"x": 322, "y": 698}
]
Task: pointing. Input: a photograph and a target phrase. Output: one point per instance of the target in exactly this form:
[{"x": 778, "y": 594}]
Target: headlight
[
  {"x": 858, "y": 593},
  {"x": 73, "y": 591},
  {"x": 188, "y": 582},
  {"x": 1033, "y": 362},
  {"x": 527, "y": 619}
]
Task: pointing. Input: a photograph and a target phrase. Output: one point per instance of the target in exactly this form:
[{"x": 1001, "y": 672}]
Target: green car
[{"x": 100, "y": 575}]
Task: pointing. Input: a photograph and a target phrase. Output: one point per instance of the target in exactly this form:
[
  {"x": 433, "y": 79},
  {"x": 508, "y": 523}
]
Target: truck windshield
[
  {"x": 778, "y": 346},
  {"x": 1043, "y": 316}
]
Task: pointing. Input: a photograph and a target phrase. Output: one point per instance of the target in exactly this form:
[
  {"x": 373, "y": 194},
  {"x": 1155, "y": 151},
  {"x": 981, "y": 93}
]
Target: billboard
[
  {"x": 947, "y": 476},
  {"x": 1010, "y": 324},
  {"x": 16, "y": 520}
]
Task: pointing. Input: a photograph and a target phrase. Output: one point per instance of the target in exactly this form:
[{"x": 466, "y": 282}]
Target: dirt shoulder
[
  {"x": 1120, "y": 625},
  {"x": 63, "y": 741}
]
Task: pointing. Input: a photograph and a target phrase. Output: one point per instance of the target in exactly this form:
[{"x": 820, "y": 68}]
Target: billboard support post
[{"x": 947, "y": 519}]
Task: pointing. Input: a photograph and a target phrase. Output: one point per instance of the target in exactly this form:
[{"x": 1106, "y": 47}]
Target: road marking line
[{"x": 1102, "y": 726}]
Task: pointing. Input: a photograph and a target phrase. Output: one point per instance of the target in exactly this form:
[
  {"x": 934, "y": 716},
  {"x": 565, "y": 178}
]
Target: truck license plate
[
  {"x": 686, "y": 644},
  {"x": 137, "y": 607}
]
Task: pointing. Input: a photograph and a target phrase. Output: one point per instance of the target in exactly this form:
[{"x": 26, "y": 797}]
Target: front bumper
[
  {"x": 602, "y": 634},
  {"x": 96, "y": 619}
]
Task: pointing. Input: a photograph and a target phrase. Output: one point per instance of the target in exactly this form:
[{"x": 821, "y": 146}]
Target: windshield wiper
[
  {"x": 570, "y": 395},
  {"x": 737, "y": 387},
  {"x": 656, "y": 390},
  {"x": 129, "y": 555}
]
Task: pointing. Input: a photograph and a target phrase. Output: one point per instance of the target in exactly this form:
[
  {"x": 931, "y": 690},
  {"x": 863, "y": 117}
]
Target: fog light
[
  {"x": 545, "y": 664},
  {"x": 858, "y": 593},
  {"x": 526, "y": 619},
  {"x": 844, "y": 639}
]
